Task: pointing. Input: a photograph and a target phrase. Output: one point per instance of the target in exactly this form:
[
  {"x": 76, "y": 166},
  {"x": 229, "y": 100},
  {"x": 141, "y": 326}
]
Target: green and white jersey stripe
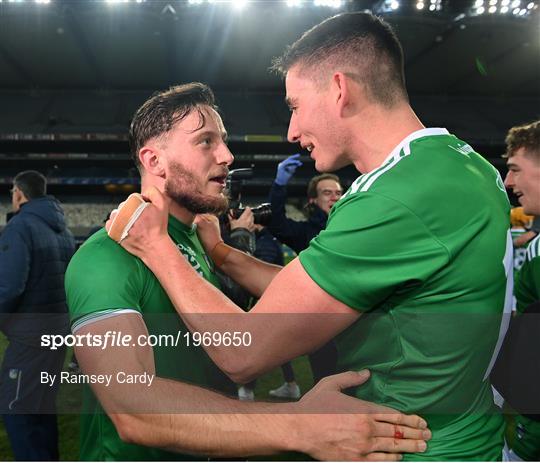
[{"x": 97, "y": 316}]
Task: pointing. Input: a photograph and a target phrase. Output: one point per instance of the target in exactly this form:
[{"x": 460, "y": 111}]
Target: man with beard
[{"x": 178, "y": 144}]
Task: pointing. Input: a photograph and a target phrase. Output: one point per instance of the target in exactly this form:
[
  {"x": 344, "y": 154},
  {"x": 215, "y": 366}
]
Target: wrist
[
  {"x": 159, "y": 252},
  {"x": 219, "y": 253},
  {"x": 293, "y": 439}
]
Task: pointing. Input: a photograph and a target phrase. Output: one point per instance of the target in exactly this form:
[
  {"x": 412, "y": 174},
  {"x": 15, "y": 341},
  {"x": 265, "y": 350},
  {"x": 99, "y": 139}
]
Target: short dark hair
[
  {"x": 163, "y": 110},
  {"x": 32, "y": 183},
  {"x": 361, "y": 45},
  {"x": 312, "y": 185},
  {"x": 524, "y": 136}
]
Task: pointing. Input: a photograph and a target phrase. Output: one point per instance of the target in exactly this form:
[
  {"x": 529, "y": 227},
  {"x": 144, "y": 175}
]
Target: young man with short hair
[{"x": 523, "y": 162}]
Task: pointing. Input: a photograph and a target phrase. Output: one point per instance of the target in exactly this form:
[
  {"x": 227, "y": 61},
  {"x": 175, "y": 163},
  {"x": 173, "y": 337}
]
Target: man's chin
[{"x": 530, "y": 209}]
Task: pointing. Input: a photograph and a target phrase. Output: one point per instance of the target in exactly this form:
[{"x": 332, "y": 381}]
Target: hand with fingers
[
  {"x": 145, "y": 230},
  {"x": 341, "y": 427},
  {"x": 287, "y": 168},
  {"x": 208, "y": 231},
  {"x": 246, "y": 220}
]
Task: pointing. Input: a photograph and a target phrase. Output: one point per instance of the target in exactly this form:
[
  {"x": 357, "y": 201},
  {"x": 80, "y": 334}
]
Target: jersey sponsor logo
[{"x": 191, "y": 257}]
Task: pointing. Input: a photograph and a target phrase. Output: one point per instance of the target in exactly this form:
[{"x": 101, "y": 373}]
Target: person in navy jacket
[{"x": 35, "y": 248}]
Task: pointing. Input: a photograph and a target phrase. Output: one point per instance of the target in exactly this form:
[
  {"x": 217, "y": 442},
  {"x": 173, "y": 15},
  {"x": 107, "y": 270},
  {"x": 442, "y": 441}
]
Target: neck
[
  {"x": 177, "y": 211},
  {"x": 377, "y": 131}
]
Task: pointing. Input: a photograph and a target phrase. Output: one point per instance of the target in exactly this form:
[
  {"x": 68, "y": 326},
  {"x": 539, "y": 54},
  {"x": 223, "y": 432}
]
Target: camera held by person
[{"x": 262, "y": 214}]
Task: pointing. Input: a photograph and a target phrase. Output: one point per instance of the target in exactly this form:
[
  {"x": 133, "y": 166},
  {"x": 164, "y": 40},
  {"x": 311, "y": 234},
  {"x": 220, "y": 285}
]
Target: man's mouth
[{"x": 221, "y": 179}]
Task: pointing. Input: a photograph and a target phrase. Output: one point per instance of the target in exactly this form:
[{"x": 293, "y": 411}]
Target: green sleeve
[
  {"x": 373, "y": 247},
  {"x": 102, "y": 278}
]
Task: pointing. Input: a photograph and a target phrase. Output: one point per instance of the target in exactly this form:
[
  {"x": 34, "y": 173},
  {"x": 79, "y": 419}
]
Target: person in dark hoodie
[{"x": 35, "y": 248}]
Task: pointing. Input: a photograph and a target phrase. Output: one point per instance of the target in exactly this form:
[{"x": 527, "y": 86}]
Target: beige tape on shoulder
[{"x": 127, "y": 215}]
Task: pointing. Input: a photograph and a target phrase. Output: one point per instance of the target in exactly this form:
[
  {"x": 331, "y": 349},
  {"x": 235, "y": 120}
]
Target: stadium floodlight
[
  {"x": 394, "y": 5},
  {"x": 330, "y": 3},
  {"x": 480, "y": 10},
  {"x": 420, "y": 5},
  {"x": 522, "y": 12},
  {"x": 516, "y": 3},
  {"x": 478, "y": 3},
  {"x": 43, "y": 2},
  {"x": 239, "y": 4},
  {"x": 492, "y": 2},
  {"x": 294, "y": 3},
  {"x": 492, "y": 9},
  {"x": 530, "y": 6},
  {"x": 194, "y": 2},
  {"x": 504, "y": 9}
]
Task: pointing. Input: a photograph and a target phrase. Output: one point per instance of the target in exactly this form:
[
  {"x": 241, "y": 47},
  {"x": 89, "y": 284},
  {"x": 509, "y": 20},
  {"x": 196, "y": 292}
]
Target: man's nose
[
  {"x": 225, "y": 156},
  {"x": 293, "y": 135}
]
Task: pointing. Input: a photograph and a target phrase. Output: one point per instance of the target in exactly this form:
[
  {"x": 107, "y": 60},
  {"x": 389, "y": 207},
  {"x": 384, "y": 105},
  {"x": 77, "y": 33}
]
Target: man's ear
[
  {"x": 151, "y": 159},
  {"x": 344, "y": 90}
]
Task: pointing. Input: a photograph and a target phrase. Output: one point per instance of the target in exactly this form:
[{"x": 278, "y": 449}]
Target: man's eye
[{"x": 206, "y": 141}]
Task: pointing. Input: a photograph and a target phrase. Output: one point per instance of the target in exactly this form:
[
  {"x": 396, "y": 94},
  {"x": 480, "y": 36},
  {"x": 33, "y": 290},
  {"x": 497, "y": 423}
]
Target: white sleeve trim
[{"x": 98, "y": 316}]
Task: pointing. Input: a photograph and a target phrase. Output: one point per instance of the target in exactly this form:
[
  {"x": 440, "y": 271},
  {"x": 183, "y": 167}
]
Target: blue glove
[{"x": 286, "y": 169}]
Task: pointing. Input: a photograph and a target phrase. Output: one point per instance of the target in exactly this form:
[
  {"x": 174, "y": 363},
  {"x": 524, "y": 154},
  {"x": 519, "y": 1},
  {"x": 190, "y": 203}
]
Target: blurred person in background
[
  {"x": 323, "y": 192},
  {"x": 240, "y": 234},
  {"x": 517, "y": 372},
  {"x": 35, "y": 248},
  {"x": 269, "y": 249},
  {"x": 524, "y": 229}
]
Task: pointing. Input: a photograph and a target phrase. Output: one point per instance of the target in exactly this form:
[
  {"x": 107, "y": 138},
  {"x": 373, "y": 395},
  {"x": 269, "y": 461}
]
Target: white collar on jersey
[{"x": 405, "y": 143}]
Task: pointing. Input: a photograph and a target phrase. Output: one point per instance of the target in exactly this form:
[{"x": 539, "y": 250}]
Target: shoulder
[
  {"x": 99, "y": 253},
  {"x": 15, "y": 229}
]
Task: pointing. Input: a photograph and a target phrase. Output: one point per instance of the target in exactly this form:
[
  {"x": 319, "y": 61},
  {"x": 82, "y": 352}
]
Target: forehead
[
  {"x": 328, "y": 184},
  {"x": 523, "y": 159},
  {"x": 297, "y": 85},
  {"x": 192, "y": 123}
]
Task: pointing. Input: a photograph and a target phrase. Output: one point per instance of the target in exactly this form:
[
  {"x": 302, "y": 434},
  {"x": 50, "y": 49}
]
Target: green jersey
[
  {"x": 520, "y": 252},
  {"x": 103, "y": 280},
  {"x": 526, "y": 432},
  {"x": 421, "y": 246},
  {"x": 528, "y": 280}
]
